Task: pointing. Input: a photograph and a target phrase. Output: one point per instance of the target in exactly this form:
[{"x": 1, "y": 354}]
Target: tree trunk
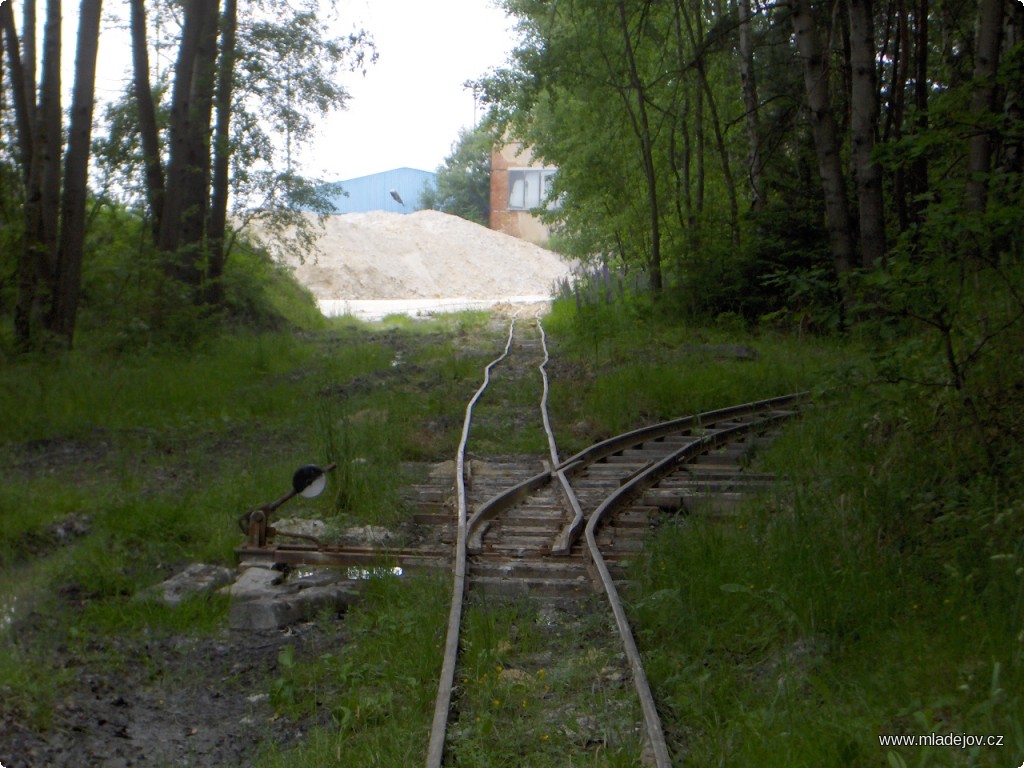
[
  {"x": 36, "y": 265},
  {"x": 195, "y": 210},
  {"x": 986, "y": 62},
  {"x": 28, "y": 54},
  {"x": 893, "y": 128},
  {"x": 918, "y": 182},
  {"x": 723, "y": 154},
  {"x": 76, "y": 172},
  {"x": 49, "y": 114},
  {"x": 24, "y": 104},
  {"x": 698, "y": 149},
  {"x": 826, "y": 138},
  {"x": 222, "y": 155},
  {"x": 148, "y": 131},
  {"x": 641, "y": 126},
  {"x": 748, "y": 87},
  {"x": 179, "y": 132},
  {"x": 1013, "y": 100},
  {"x": 863, "y": 126},
  {"x": 682, "y": 163},
  {"x": 698, "y": 107}
]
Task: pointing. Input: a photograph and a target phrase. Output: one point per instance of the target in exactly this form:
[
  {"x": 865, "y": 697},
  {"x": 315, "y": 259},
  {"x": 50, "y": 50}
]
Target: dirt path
[{"x": 173, "y": 700}]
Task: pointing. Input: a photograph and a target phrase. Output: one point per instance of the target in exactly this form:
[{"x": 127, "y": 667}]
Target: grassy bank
[
  {"x": 879, "y": 591},
  {"x": 122, "y": 469}
]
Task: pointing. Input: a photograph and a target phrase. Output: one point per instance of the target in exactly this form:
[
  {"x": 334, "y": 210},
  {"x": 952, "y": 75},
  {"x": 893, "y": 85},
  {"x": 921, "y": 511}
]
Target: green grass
[
  {"x": 541, "y": 691},
  {"x": 379, "y": 686},
  {"x": 840, "y": 611},
  {"x": 880, "y": 591},
  {"x": 158, "y": 453},
  {"x": 668, "y": 370},
  {"x": 229, "y": 380}
]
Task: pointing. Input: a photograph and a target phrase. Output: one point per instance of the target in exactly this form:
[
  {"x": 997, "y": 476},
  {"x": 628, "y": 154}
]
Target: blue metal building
[{"x": 373, "y": 192}]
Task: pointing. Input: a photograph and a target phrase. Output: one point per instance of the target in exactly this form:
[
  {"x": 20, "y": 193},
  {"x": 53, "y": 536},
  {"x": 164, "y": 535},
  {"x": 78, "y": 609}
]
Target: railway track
[
  {"x": 551, "y": 540},
  {"x": 566, "y": 532}
]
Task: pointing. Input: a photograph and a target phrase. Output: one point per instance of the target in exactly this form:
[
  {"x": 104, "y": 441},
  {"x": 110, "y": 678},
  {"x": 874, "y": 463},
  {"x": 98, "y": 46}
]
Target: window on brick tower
[{"x": 527, "y": 188}]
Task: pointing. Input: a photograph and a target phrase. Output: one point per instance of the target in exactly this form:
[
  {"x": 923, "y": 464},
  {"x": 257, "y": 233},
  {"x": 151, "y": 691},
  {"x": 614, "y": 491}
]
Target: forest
[
  {"x": 788, "y": 161},
  {"x": 831, "y": 168},
  {"x": 801, "y": 165},
  {"x": 200, "y": 145}
]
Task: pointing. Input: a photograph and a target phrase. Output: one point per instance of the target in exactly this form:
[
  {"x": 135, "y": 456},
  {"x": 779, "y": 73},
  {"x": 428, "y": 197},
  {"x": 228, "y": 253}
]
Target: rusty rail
[
  {"x": 446, "y": 681},
  {"x": 648, "y": 476}
]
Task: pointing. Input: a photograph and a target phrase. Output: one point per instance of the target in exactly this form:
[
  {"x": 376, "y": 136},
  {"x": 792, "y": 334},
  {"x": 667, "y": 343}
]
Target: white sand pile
[{"x": 374, "y": 263}]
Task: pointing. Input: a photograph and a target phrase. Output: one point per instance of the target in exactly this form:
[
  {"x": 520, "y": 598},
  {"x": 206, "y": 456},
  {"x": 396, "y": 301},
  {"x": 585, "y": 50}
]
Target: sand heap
[{"x": 425, "y": 255}]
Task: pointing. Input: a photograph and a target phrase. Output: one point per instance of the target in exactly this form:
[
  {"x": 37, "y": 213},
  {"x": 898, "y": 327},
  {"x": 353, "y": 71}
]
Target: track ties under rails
[
  {"x": 566, "y": 530},
  {"x": 526, "y": 540}
]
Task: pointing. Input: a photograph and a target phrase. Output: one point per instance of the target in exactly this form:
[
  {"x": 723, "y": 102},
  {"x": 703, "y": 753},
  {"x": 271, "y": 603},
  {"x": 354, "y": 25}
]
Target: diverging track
[{"x": 564, "y": 669}]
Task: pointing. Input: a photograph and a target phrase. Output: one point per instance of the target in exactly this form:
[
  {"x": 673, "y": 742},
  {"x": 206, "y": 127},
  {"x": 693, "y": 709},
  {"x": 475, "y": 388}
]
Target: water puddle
[
  {"x": 353, "y": 573},
  {"x": 8, "y": 612},
  {"x": 361, "y": 574}
]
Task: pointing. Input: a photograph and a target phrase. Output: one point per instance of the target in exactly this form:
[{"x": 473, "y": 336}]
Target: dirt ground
[{"x": 174, "y": 701}]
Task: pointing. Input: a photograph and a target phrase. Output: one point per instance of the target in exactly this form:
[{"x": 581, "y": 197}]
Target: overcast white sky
[{"x": 407, "y": 110}]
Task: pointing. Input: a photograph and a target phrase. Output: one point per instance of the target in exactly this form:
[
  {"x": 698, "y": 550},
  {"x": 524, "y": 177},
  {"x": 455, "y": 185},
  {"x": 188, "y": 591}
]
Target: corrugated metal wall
[{"x": 373, "y": 192}]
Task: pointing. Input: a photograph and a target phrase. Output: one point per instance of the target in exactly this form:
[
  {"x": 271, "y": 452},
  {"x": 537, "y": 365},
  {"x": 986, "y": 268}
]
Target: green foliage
[
  {"x": 464, "y": 179},
  {"x": 378, "y": 687},
  {"x": 285, "y": 74},
  {"x": 669, "y": 368},
  {"x": 595, "y": 92},
  {"x": 288, "y": 74},
  {"x": 950, "y": 307},
  {"x": 877, "y": 592},
  {"x": 128, "y": 304},
  {"x": 596, "y": 88}
]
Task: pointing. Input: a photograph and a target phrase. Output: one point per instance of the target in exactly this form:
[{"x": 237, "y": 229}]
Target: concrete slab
[
  {"x": 197, "y": 578},
  {"x": 265, "y": 598},
  {"x": 280, "y": 610}
]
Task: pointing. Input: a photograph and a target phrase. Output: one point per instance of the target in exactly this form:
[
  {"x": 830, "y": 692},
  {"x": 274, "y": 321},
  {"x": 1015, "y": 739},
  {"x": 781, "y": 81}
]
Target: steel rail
[
  {"x": 552, "y": 448},
  {"x": 642, "y": 479},
  {"x": 643, "y": 476},
  {"x": 442, "y": 704},
  {"x": 471, "y": 530},
  {"x": 613, "y": 445},
  {"x": 595, "y": 453},
  {"x": 617, "y": 443}
]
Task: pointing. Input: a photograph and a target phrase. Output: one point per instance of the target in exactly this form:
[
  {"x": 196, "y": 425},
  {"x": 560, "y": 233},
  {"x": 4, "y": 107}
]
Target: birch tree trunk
[{"x": 826, "y": 137}]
